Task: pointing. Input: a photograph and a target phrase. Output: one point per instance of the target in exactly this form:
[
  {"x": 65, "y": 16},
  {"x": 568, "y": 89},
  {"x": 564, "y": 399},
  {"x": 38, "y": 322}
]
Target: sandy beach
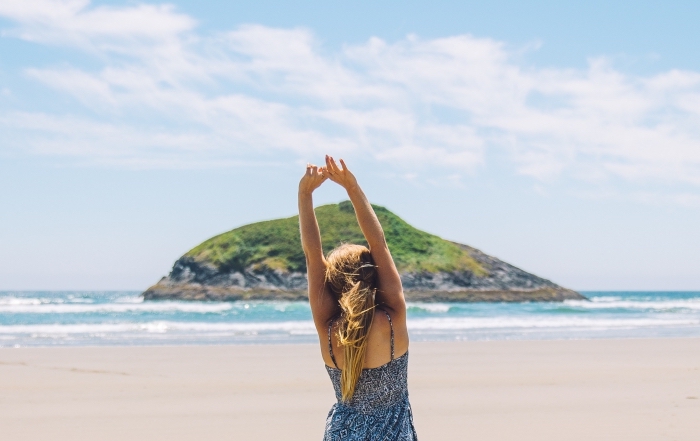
[{"x": 499, "y": 390}]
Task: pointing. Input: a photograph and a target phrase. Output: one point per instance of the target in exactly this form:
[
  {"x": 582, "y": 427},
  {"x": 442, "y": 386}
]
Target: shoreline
[
  {"x": 316, "y": 343},
  {"x": 607, "y": 389},
  {"x": 202, "y": 293}
]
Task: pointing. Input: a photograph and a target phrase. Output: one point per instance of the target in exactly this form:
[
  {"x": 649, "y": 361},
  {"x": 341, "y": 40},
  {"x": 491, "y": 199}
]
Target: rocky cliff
[{"x": 264, "y": 260}]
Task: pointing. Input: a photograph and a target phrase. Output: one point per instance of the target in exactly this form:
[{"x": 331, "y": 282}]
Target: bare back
[{"x": 378, "y": 341}]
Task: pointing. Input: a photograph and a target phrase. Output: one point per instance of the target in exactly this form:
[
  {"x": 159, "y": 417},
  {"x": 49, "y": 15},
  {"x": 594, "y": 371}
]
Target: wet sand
[{"x": 506, "y": 390}]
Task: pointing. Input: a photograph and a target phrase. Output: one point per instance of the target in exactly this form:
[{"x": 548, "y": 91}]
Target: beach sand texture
[{"x": 500, "y": 390}]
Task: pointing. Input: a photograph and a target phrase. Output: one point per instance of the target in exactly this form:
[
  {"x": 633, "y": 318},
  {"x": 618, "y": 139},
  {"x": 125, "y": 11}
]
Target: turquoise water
[{"x": 40, "y": 318}]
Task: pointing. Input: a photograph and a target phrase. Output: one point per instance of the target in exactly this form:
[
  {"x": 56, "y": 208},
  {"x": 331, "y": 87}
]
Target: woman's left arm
[{"x": 323, "y": 308}]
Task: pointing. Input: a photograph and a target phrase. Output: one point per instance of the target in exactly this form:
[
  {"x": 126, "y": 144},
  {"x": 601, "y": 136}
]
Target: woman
[{"x": 359, "y": 311}]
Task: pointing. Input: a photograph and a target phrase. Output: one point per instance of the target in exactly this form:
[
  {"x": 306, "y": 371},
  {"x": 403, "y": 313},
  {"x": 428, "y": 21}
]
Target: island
[{"x": 265, "y": 261}]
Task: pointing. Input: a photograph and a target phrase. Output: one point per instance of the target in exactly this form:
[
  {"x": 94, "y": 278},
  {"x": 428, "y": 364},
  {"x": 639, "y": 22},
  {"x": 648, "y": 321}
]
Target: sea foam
[
  {"x": 58, "y": 308},
  {"x": 119, "y": 318}
]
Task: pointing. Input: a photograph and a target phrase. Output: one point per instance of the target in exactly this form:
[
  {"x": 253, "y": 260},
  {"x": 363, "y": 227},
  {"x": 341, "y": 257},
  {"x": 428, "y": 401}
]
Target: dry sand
[{"x": 511, "y": 390}]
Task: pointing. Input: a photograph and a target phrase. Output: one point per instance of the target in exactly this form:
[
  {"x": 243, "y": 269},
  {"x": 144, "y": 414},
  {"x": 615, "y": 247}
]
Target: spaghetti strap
[
  {"x": 391, "y": 325},
  {"x": 330, "y": 345}
]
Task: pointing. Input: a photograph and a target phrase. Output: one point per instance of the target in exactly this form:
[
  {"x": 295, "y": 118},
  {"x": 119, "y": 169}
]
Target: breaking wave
[{"x": 123, "y": 318}]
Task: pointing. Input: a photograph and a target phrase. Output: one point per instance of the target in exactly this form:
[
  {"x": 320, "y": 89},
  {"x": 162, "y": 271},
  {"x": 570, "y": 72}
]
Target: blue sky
[{"x": 561, "y": 137}]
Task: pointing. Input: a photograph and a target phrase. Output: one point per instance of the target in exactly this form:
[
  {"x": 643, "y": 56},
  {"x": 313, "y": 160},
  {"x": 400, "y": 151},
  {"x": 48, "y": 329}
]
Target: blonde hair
[{"x": 351, "y": 277}]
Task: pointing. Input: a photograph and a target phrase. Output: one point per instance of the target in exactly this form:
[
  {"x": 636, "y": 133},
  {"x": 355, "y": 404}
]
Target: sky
[{"x": 561, "y": 137}]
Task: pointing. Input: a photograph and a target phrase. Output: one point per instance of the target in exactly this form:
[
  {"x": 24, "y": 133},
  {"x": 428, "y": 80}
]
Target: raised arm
[
  {"x": 390, "y": 292},
  {"x": 323, "y": 308}
]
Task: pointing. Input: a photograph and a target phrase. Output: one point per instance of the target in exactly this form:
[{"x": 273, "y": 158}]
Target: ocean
[{"x": 82, "y": 318}]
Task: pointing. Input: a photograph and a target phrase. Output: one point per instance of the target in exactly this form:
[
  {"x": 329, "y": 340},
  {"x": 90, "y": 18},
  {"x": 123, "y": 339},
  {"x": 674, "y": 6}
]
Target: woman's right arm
[
  {"x": 390, "y": 292},
  {"x": 323, "y": 308}
]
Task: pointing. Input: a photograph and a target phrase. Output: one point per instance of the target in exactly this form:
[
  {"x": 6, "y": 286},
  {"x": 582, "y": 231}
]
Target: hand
[
  {"x": 312, "y": 179},
  {"x": 343, "y": 176}
]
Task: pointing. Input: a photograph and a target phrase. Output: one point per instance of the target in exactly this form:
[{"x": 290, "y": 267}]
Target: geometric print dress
[{"x": 379, "y": 409}]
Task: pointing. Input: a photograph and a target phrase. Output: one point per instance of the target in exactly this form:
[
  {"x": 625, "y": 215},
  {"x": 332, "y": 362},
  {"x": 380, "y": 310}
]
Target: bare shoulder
[
  {"x": 398, "y": 324},
  {"x": 380, "y": 318}
]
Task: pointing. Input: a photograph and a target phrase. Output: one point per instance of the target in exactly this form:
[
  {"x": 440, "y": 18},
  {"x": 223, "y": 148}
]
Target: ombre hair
[{"x": 351, "y": 277}]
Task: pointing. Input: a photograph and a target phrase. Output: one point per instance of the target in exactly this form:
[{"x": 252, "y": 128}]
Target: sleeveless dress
[{"x": 379, "y": 409}]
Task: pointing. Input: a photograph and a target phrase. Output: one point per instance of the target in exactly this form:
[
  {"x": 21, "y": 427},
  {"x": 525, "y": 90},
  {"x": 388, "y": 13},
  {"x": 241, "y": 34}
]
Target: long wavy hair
[{"x": 351, "y": 277}]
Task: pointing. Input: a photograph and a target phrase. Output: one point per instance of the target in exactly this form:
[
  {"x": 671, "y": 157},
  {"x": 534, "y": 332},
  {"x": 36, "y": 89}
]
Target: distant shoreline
[{"x": 194, "y": 292}]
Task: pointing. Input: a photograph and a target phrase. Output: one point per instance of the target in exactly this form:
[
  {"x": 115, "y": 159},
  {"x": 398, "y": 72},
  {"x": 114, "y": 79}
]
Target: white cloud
[
  {"x": 170, "y": 95},
  {"x": 75, "y": 22}
]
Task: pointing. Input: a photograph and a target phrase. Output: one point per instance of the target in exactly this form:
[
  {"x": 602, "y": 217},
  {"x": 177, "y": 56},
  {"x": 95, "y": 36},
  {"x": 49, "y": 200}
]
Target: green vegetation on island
[{"x": 276, "y": 244}]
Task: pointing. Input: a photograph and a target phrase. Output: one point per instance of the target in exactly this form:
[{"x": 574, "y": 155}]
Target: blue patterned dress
[{"x": 379, "y": 409}]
